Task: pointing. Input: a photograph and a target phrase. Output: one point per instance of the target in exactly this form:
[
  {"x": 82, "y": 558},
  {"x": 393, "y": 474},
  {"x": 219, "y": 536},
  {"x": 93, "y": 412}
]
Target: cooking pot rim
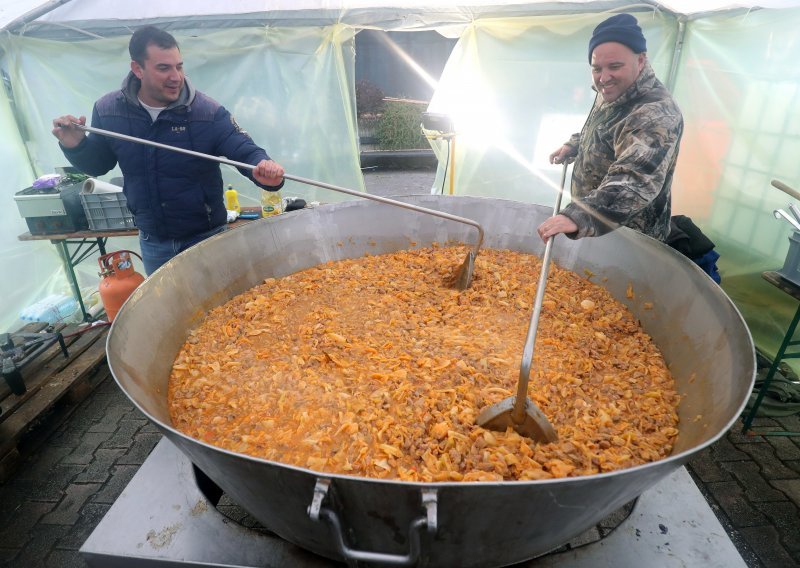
[{"x": 673, "y": 459}]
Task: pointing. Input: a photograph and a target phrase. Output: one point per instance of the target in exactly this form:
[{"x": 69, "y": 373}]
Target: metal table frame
[
  {"x": 788, "y": 340},
  {"x": 86, "y": 244}
]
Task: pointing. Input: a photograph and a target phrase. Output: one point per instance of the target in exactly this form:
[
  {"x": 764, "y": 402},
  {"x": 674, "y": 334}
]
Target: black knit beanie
[{"x": 622, "y": 28}]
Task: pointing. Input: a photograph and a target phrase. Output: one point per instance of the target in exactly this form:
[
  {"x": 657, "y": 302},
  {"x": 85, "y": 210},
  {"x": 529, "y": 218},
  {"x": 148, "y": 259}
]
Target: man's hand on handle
[
  {"x": 68, "y": 135},
  {"x": 559, "y": 223},
  {"x": 268, "y": 172},
  {"x": 555, "y": 225},
  {"x": 566, "y": 152}
]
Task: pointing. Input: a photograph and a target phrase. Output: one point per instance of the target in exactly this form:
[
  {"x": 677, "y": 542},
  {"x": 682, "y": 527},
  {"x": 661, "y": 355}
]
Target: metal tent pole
[
  {"x": 30, "y": 16},
  {"x": 676, "y": 54}
]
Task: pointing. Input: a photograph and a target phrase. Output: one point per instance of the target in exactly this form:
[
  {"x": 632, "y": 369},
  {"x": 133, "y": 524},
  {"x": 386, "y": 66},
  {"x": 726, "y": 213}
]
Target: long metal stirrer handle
[
  {"x": 416, "y": 208},
  {"x": 518, "y": 412},
  {"x": 299, "y": 179}
]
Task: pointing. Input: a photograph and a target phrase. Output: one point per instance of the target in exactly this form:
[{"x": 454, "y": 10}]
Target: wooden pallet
[{"x": 53, "y": 382}]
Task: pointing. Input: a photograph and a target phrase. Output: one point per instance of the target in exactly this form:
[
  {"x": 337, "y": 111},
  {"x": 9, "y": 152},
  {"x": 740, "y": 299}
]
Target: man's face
[
  {"x": 614, "y": 68},
  {"x": 161, "y": 76}
]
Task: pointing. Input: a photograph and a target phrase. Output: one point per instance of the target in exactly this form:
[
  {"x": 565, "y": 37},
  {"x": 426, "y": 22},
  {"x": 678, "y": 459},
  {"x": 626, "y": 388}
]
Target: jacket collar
[{"x": 131, "y": 85}]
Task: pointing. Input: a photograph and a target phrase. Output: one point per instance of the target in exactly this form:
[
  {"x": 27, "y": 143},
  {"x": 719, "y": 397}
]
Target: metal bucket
[{"x": 700, "y": 332}]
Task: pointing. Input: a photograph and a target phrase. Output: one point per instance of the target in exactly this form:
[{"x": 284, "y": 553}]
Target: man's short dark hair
[{"x": 149, "y": 35}]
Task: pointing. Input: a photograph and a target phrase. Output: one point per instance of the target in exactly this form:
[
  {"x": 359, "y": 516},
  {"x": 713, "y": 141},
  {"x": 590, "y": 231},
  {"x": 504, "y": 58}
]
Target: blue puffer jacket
[{"x": 171, "y": 195}]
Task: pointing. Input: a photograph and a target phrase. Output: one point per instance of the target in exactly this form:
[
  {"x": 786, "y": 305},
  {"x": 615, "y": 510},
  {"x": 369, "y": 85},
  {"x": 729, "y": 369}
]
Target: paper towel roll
[{"x": 92, "y": 185}]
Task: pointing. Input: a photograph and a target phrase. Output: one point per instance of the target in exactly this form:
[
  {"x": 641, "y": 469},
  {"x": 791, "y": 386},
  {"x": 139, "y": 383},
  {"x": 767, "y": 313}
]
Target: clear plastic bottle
[
  {"x": 60, "y": 311},
  {"x": 36, "y": 310},
  {"x": 271, "y": 203},
  {"x": 232, "y": 200},
  {"x": 52, "y": 309}
]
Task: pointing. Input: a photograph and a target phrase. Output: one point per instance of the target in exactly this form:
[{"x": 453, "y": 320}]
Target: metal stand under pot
[{"x": 163, "y": 518}]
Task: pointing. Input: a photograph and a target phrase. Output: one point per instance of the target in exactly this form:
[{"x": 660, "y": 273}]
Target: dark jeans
[{"x": 157, "y": 251}]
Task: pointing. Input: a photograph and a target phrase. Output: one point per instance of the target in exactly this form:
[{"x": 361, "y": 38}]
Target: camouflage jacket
[{"x": 626, "y": 156}]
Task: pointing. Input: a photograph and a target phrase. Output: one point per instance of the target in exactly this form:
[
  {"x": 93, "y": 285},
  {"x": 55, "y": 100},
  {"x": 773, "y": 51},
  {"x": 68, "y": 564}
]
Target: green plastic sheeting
[
  {"x": 292, "y": 89},
  {"x": 739, "y": 88},
  {"x": 516, "y": 90},
  {"x": 24, "y": 266},
  {"x": 516, "y": 87}
]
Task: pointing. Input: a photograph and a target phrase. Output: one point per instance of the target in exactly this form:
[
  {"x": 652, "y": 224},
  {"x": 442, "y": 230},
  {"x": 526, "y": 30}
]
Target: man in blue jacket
[{"x": 176, "y": 199}]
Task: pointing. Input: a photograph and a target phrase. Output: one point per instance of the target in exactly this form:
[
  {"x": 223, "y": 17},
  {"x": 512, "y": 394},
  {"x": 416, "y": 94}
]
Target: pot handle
[{"x": 429, "y": 499}]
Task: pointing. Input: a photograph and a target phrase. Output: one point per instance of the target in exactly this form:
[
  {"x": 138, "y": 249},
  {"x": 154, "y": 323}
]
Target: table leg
[
  {"x": 779, "y": 356},
  {"x": 63, "y": 252}
]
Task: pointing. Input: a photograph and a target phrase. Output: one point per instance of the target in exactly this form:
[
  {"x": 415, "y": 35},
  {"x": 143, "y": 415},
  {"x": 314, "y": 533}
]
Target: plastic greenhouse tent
[{"x": 517, "y": 84}]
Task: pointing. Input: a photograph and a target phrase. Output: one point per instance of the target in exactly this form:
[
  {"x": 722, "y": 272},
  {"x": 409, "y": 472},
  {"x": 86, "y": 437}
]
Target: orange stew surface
[{"x": 373, "y": 367}]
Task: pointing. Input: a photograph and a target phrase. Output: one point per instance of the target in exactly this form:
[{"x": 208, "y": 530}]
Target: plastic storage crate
[
  {"x": 791, "y": 266},
  {"x": 107, "y": 211}
]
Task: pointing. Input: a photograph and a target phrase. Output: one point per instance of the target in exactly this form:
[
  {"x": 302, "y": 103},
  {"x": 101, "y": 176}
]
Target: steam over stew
[{"x": 373, "y": 367}]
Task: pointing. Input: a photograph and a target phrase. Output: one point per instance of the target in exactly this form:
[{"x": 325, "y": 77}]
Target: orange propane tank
[{"x": 119, "y": 280}]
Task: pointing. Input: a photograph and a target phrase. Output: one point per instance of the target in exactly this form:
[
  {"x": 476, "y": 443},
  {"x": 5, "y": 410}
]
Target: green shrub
[
  {"x": 399, "y": 127},
  {"x": 369, "y": 98}
]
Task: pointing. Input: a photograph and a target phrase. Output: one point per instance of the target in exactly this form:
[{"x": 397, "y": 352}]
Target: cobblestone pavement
[
  {"x": 70, "y": 478},
  {"x": 753, "y": 485},
  {"x": 75, "y": 469}
]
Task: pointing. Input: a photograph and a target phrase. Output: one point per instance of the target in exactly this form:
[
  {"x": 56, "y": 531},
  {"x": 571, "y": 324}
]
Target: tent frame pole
[
  {"x": 27, "y": 18},
  {"x": 676, "y": 54}
]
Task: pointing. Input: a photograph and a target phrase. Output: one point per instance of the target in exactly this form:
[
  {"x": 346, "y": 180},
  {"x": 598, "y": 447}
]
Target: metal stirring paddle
[
  {"x": 519, "y": 411},
  {"x": 463, "y": 276}
]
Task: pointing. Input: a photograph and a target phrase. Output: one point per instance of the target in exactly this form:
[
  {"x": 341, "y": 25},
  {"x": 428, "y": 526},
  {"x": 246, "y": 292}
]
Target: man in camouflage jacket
[{"x": 626, "y": 153}]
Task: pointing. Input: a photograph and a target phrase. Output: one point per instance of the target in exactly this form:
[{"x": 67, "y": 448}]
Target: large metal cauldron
[{"x": 700, "y": 332}]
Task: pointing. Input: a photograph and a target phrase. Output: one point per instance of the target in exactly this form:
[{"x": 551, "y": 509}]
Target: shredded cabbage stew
[{"x": 374, "y": 367}]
